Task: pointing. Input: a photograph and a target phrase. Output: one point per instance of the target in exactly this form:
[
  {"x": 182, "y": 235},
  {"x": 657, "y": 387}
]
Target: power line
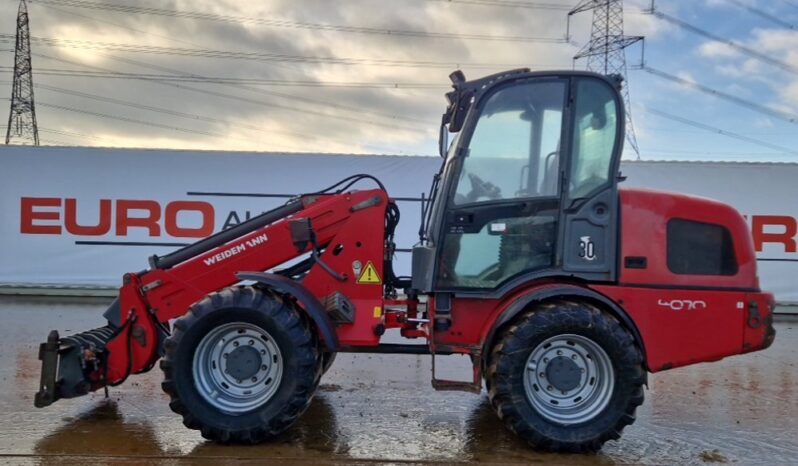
[
  {"x": 526, "y": 5},
  {"x": 735, "y": 45},
  {"x": 55, "y": 142},
  {"x": 133, "y": 120},
  {"x": 293, "y": 98},
  {"x": 762, "y": 13},
  {"x": 788, "y": 117},
  {"x": 300, "y": 83},
  {"x": 71, "y": 134},
  {"x": 267, "y": 104},
  {"x": 293, "y": 24},
  {"x": 256, "y": 56},
  {"x": 250, "y": 56},
  {"x": 511, "y": 4},
  {"x": 149, "y": 108},
  {"x": 221, "y": 80},
  {"x": 190, "y": 116},
  {"x": 64, "y": 133},
  {"x": 167, "y": 79},
  {"x": 261, "y": 56},
  {"x": 137, "y": 121},
  {"x": 722, "y": 132}
]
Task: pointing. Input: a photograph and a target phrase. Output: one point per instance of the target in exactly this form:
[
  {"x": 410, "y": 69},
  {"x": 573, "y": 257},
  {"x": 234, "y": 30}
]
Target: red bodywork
[
  {"x": 685, "y": 319},
  {"x": 167, "y": 294},
  {"x": 680, "y": 319}
]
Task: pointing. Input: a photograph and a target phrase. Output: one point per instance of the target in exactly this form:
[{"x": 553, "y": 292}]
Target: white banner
[{"x": 77, "y": 216}]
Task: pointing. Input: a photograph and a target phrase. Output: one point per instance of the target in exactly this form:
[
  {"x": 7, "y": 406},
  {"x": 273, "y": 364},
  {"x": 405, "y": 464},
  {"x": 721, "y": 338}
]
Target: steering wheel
[{"x": 480, "y": 188}]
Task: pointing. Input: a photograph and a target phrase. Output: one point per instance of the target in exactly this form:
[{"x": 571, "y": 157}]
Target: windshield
[{"x": 514, "y": 149}]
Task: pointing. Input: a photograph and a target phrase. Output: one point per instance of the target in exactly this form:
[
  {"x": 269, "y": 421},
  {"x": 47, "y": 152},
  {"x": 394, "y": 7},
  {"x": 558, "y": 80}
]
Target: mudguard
[{"x": 310, "y": 304}]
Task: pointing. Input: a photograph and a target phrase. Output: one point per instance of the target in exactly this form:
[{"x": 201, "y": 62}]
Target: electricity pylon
[
  {"x": 605, "y": 52},
  {"x": 22, "y": 127}
]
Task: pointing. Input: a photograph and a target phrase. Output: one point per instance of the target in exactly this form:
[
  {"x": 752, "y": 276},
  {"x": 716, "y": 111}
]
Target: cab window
[
  {"x": 507, "y": 189},
  {"x": 514, "y": 150},
  {"x": 596, "y": 126}
]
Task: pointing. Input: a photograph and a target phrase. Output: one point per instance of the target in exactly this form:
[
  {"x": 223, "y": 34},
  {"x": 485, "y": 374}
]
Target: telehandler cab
[{"x": 564, "y": 290}]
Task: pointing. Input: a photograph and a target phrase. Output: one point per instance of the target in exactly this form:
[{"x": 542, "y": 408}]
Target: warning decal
[{"x": 369, "y": 276}]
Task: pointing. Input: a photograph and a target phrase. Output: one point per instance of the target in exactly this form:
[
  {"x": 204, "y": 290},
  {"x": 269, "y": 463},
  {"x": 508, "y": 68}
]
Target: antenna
[
  {"x": 22, "y": 127},
  {"x": 605, "y": 52}
]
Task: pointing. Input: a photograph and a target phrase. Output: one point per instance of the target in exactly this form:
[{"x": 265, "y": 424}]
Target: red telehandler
[{"x": 564, "y": 290}]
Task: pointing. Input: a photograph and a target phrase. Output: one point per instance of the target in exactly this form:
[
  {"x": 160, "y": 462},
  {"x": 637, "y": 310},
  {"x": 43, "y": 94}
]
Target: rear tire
[
  {"x": 566, "y": 377},
  {"x": 241, "y": 365},
  {"x": 327, "y": 360}
]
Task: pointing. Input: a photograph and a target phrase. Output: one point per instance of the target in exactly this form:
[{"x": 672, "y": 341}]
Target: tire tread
[
  {"x": 286, "y": 314},
  {"x": 511, "y": 345}
]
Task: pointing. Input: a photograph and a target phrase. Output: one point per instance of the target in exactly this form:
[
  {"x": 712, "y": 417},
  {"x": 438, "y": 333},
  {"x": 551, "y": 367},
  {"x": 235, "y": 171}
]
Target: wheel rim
[
  {"x": 568, "y": 379},
  {"x": 237, "y": 367}
]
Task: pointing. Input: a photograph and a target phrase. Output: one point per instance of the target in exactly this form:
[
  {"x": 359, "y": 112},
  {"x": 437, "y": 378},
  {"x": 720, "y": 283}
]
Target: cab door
[
  {"x": 503, "y": 209},
  {"x": 590, "y": 194},
  {"x": 535, "y": 186}
]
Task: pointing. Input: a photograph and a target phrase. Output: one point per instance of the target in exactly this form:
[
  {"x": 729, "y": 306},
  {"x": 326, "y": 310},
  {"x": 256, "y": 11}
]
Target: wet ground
[{"x": 382, "y": 409}]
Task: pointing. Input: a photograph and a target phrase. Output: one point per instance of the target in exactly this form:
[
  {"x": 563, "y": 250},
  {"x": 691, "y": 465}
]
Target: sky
[{"x": 309, "y": 104}]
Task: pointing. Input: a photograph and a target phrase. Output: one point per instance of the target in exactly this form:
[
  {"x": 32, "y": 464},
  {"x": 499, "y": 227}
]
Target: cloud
[
  {"x": 686, "y": 76},
  {"x": 781, "y": 45},
  {"x": 763, "y": 122},
  {"x": 773, "y": 85},
  {"x": 714, "y": 49},
  {"x": 267, "y": 117},
  {"x": 325, "y": 119},
  {"x": 790, "y": 94},
  {"x": 775, "y": 40},
  {"x": 638, "y": 24}
]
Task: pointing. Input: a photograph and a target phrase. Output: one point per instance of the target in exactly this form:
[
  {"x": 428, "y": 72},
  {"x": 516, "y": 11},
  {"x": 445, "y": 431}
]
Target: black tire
[
  {"x": 327, "y": 360},
  {"x": 291, "y": 333},
  {"x": 508, "y": 365}
]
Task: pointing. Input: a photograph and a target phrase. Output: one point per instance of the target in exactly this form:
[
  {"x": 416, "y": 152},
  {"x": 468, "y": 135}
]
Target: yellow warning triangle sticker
[{"x": 369, "y": 276}]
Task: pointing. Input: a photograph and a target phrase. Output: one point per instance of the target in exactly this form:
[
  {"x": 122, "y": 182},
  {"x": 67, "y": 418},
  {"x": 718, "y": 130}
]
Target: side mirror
[{"x": 443, "y": 138}]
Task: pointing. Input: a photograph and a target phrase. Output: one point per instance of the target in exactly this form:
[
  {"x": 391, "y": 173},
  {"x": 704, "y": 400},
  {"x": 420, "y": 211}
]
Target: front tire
[
  {"x": 241, "y": 365},
  {"x": 566, "y": 377}
]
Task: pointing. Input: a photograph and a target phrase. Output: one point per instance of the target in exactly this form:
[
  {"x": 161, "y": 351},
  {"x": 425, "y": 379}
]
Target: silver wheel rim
[
  {"x": 225, "y": 355},
  {"x": 568, "y": 379}
]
